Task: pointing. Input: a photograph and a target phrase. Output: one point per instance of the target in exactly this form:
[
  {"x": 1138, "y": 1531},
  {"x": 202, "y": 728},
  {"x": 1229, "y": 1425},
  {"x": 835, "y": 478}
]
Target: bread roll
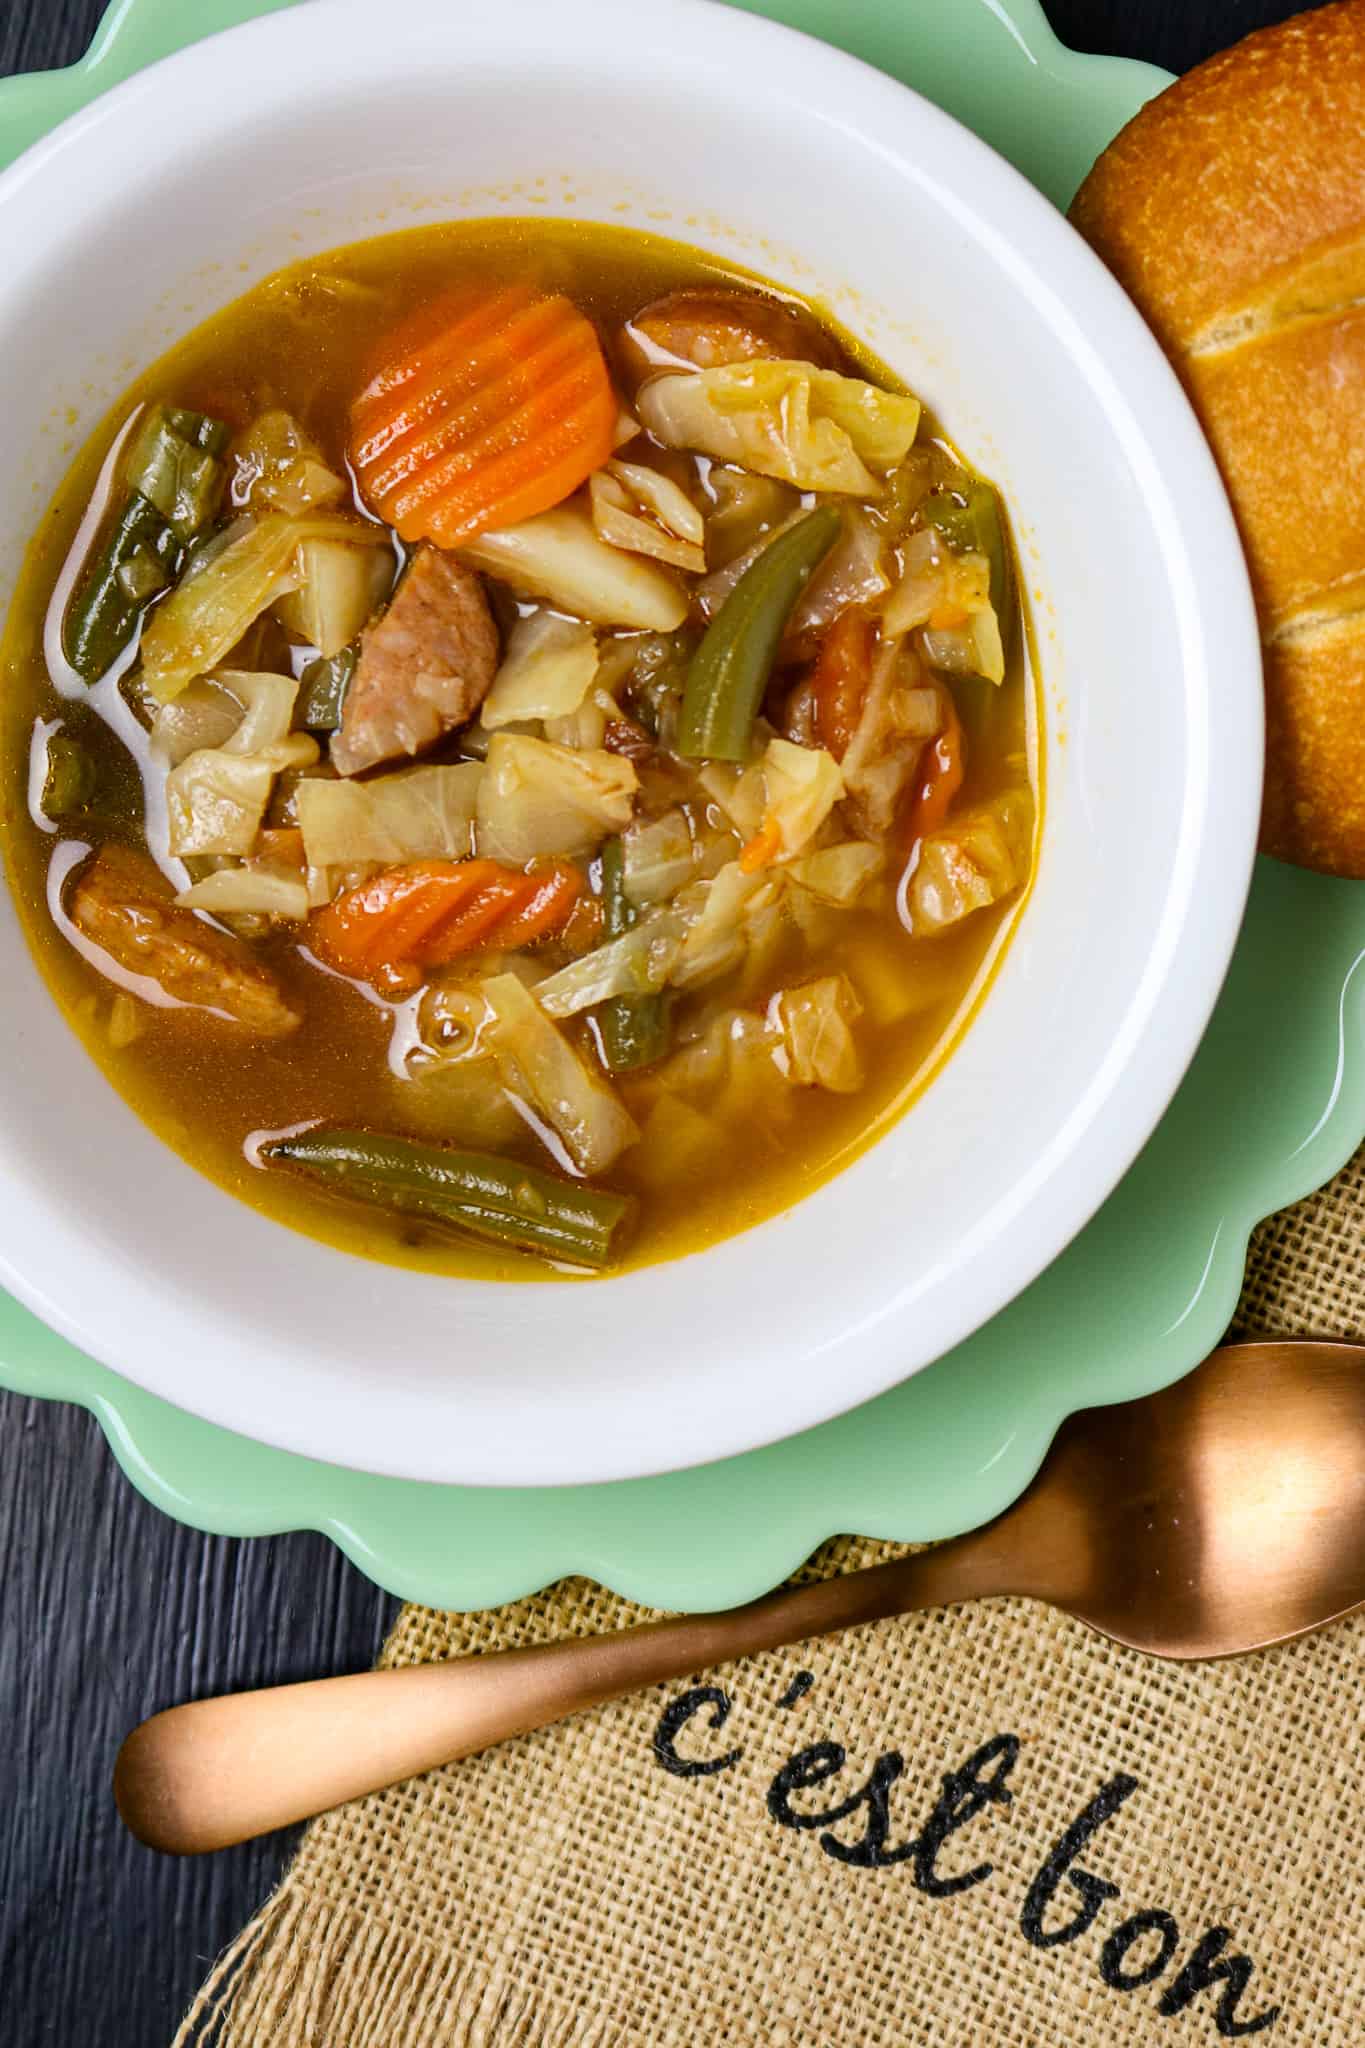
[{"x": 1233, "y": 211}]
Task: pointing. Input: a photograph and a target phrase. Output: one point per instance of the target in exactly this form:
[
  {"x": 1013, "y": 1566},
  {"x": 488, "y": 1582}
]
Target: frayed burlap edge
[{"x": 308, "y": 1973}]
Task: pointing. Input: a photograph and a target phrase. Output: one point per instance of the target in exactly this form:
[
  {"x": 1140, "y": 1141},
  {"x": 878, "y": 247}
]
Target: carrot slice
[
  {"x": 840, "y": 678},
  {"x": 557, "y": 893},
  {"x": 480, "y": 920},
  {"x": 386, "y": 919},
  {"x": 939, "y": 777},
  {"x": 761, "y": 850},
  {"x": 428, "y": 913},
  {"x": 484, "y": 409}
]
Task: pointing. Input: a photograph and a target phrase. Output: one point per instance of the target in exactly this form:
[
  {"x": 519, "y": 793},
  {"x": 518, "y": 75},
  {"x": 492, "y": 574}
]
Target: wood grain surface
[{"x": 108, "y": 1611}]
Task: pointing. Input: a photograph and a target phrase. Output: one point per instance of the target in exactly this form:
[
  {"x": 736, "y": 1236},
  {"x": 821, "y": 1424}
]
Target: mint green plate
[{"x": 1273, "y": 1105}]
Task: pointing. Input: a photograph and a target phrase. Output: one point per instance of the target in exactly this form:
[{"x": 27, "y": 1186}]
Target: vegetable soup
[{"x": 520, "y": 748}]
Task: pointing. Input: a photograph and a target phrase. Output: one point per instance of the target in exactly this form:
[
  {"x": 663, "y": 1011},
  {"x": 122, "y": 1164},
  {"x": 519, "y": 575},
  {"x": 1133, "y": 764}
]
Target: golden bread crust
[{"x": 1232, "y": 208}]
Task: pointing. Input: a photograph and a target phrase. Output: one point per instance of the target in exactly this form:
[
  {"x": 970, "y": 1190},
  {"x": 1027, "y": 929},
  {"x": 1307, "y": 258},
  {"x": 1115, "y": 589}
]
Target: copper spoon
[{"x": 1223, "y": 1515}]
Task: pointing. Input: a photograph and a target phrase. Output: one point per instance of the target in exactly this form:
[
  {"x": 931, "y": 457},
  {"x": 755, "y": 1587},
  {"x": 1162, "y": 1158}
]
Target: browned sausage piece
[
  {"x": 120, "y": 901},
  {"x": 425, "y": 666},
  {"x": 708, "y": 327}
]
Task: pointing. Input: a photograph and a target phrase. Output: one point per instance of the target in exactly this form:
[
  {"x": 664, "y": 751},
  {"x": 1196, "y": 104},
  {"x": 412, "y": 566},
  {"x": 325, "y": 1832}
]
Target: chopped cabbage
[
  {"x": 716, "y": 937},
  {"x": 204, "y": 715},
  {"x": 658, "y": 858},
  {"x": 978, "y": 858},
  {"x": 340, "y": 587},
  {"x": 537, "y": 798},
  {"x": 839, "y": 874},
  {"x": 747, "y": 509},
  {"x": 900, "y": 713},
  {"x": 755, "y": 1092},
  {"x": 816, "y": 1021},
  {"x": 802, "y": 785},
  {"x": 253, "y": 889},
  {"x": 585, "y": 729},
  {"x": 542, "y": 1069},
  {"x": 644, "y": 511},
  {"x": 637, "y": 964},
  {"x": 704, "y": 933},
  {"x": 279, "y": 465},
  {"x": 853, "y": 572},
  {"x": 929, "y": 578},
  {"x": 808, "y": 427},
  {"x": 558, "y": 556},
  {"x": 678, "y": 1141},
  {"x": 217, "y": 798},
  {"x": 409, "y": 814},
  {"x": 973, "y": 649},
  {"x": 461, "y": 1099},
  {"x": 933, "y": 579},
  {"x": 766, "y": 925},
  {"x": 739, "y": 792},
  {"x": 266, "y": 708},
  {"x": 202, "y": 620},
  {"x": 546, "y": 672},
  {"x": 449, "y": 1084},
  {"x": 325, "y": 884}
]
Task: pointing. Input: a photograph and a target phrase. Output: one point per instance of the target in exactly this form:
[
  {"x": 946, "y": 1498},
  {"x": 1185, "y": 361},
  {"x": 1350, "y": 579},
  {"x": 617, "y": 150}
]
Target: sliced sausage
[
  {"x": 120, "y": 901},
  {"x": 425, "y": 666},
  {"x": 721, "y": 325}
]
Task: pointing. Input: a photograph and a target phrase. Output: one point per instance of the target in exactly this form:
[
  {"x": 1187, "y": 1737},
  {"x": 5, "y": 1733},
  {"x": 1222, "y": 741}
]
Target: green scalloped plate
[{"x": 1273, "y": 1105}]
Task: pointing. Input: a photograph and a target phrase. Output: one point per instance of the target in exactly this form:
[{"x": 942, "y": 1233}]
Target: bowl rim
[{"x": 1222, "y": 616}]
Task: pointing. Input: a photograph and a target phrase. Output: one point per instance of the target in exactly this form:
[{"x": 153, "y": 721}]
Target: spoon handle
[{"x": 216, "y": 1772}]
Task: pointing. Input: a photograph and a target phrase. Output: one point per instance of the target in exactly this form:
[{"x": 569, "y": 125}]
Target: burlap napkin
[{"x": 984, "y": 1828}]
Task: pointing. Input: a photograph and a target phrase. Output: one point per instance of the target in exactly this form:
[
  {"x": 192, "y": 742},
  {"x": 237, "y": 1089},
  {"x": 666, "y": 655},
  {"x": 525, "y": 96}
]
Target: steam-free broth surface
[{"x": 749, "y": 1095}]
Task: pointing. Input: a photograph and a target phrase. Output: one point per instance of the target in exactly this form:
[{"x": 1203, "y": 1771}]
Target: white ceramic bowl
[{"x": 180, "y": 189}]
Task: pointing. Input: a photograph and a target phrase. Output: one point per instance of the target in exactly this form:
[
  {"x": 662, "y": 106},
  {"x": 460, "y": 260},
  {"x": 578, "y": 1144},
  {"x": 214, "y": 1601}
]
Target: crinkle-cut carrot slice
[
  {"x": 429, "y": 912},
  {"x": 484, "y": 409}
]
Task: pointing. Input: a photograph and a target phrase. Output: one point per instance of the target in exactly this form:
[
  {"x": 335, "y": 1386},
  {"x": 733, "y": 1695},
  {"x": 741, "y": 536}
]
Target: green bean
[
  {"x": 968, "y": 517},
  {"x": 170, "y": 465},
  {"x": 322, "y": 690},
  {"x": 730, "y": 670},
  {"x": 476, "y": 1192},
  {"x": 69, "y": 778},
  {"x": 142, "y": 576},
  {"x": 102, "y": 617},
  {"x": 173, "y": 480},
  {"x": 634, "y": 1031},
  {"x": 199, "y": 429}
]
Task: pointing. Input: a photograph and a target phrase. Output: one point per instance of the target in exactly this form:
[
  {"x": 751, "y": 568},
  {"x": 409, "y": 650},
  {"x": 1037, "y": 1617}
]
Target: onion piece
[
  {"x": 558, "y": 556},
  {"x": 253, "y": 889}
]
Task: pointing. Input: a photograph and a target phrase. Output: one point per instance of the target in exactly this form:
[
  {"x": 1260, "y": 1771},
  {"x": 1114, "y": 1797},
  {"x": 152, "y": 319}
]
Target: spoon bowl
[
  {"x": 1215, "y": 1518},
  {"x": 1219, "y": 1516}
]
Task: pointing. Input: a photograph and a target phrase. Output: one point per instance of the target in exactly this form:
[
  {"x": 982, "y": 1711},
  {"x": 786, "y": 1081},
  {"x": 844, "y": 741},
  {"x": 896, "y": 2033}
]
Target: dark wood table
[{"x": 109, "y": 1611}]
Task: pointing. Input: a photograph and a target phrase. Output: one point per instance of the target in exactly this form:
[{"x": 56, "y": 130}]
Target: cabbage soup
[{"x": 520, "y": 748}]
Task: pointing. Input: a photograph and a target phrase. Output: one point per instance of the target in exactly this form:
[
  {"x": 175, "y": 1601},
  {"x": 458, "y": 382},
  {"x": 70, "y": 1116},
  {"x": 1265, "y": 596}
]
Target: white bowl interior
[{"x": 300, "y": 133}]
